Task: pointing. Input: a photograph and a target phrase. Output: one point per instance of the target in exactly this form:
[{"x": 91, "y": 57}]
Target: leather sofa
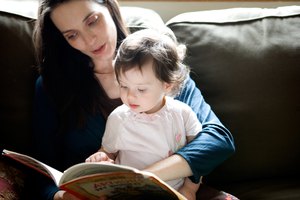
[{"x": 246, "y": 61}]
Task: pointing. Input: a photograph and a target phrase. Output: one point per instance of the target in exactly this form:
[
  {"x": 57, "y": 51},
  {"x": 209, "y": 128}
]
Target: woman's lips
[{"x": 100, "y": 50}]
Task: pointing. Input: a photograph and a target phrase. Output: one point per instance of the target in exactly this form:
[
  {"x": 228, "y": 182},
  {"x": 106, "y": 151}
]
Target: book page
[
  {"x": 83, "y": 169},
  {"x": 34, "y": 164}
]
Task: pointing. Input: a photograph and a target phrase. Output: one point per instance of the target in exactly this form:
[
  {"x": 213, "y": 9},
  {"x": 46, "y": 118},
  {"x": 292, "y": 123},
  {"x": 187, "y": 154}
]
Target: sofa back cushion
[
  {"x": 246, "y": 61},
  {"x": 138, "y": 18},
  {"x": 17, "y": 79}
]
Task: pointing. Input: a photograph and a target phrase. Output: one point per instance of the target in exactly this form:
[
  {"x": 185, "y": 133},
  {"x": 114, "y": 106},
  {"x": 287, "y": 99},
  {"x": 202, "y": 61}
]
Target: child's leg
[{"x": 189, "y": 189}]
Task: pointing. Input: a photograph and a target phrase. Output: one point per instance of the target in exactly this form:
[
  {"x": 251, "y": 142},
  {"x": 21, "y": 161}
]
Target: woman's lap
[{"x": 12, "y": 180}]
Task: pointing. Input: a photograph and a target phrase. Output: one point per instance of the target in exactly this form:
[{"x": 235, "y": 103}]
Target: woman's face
[{"x": 88, "y": 27}]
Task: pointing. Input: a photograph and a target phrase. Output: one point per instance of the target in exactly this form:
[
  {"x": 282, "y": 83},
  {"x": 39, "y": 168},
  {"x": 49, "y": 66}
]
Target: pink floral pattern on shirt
[{"x": 179, "y": 143}]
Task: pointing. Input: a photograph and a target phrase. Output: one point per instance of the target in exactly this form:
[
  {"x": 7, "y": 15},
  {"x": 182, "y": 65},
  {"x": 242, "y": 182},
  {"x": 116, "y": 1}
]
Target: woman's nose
[{"x": 89, "y": 38}]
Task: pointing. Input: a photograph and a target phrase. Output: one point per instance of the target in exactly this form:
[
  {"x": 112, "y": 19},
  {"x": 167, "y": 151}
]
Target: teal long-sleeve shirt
[{"x": 212, "y": 146}]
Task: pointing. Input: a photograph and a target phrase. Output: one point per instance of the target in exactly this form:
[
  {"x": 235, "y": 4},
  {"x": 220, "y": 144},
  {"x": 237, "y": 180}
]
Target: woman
[{"x": 76, "y": 43}]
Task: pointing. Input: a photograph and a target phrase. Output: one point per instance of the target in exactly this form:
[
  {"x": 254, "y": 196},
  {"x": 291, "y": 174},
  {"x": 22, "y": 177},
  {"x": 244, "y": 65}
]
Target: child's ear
[{"x": 168, "y": 87}]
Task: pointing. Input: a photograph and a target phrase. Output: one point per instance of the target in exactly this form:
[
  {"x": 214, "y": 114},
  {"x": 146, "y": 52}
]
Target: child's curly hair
[{"x": 160, "y": 47}]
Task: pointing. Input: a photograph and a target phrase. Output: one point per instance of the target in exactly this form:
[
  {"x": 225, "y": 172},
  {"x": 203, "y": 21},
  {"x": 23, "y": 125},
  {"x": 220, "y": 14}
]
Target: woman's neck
[
  {"x": 104, "y": 71},
  {"x": 103, "y": 67}
]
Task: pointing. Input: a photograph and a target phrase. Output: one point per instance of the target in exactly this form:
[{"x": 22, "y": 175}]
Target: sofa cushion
[
  {"x": 246, "y": 61},
  {"x": 138, "y": 18},
  {"x": 17, "y": 79}
]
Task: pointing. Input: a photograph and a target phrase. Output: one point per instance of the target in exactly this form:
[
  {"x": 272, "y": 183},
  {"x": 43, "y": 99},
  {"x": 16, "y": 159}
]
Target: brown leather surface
[{"x": 247, "y": 64}]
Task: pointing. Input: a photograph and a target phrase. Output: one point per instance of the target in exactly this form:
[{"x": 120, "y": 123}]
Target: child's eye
[
  {"x": 142, "y": 90},
  {"x": 92, "y": 20}
]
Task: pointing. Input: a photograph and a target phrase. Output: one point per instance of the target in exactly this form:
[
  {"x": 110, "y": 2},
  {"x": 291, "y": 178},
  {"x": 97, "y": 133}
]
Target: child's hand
[
  {"x": 63, "y": 195},
  {"x": 99, "y": 157}
]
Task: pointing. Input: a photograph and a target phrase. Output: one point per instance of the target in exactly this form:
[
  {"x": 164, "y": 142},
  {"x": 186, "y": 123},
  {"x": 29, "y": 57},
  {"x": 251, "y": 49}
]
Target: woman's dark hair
[
  {"x": 68, "y": 74},
  {"x": 157, "y": 46}
]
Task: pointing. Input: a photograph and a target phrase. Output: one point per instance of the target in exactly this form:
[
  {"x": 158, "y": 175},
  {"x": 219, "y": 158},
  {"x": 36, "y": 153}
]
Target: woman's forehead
[{"x": 72, "y": 13}]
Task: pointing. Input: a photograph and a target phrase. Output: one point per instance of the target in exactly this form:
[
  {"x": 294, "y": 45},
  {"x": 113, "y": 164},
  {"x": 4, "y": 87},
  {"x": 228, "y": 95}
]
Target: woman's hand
[
  {"x": 189, "y": 189},
  {"x": 99, "y": 157}
]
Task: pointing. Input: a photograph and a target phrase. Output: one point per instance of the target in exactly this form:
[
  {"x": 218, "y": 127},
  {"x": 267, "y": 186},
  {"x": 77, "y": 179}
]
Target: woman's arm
[
  {"x": 45, "y": 125},
  {"x": 211, "y": 147},
  {"x": 60, "y": 150}
]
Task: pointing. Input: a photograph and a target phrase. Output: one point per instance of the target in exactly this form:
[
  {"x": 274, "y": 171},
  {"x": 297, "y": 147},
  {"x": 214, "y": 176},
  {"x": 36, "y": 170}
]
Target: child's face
[{"x": 141, "y": 91}]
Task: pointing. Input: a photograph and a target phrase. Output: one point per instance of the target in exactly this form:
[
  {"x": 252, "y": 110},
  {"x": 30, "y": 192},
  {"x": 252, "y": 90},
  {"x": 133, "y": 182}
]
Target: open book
[{"x": 93, "y": 180}]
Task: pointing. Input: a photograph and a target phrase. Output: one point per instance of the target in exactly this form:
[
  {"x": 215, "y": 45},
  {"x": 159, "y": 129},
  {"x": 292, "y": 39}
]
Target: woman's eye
[
  {"x": 71, "y": 36},
  {"x": 123, "y": 87},
  {"x": 92, "y": 20}
]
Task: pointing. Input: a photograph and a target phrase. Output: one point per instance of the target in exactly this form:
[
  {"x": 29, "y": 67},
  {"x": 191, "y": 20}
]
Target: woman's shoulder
[
  {"x": 39, "y": 88},
  {"x": 41, "y": 94},
  {"x": 39, "y": 83}
]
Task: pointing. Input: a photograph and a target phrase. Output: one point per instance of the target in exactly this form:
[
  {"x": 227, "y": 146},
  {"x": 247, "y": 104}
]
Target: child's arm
[
  {"x": 102, "y": 156},
  {"x": 190, "y": 138}
]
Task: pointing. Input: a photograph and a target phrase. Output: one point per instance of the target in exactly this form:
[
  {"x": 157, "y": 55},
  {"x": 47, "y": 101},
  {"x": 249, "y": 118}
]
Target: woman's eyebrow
[{"x": 87, "y": 16}]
